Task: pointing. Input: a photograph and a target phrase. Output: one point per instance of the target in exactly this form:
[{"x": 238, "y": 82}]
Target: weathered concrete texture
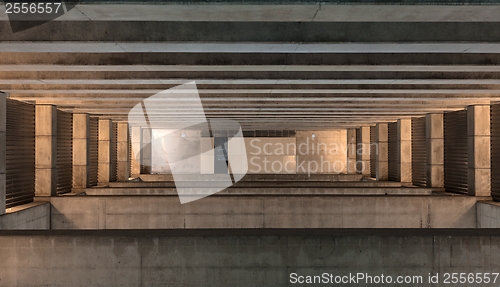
[
  {"x": 323, "y": 153},
  {"x": 281, "y": 184},
  {"x": 122, "y": 160},
  {"x": 351, "y": 151},
  {"x": 45, "y": 150},
  {"x": 81, "y": 156},
  {"x": 257, "y": 177},
  {"x": 34, "y": 215},
  {"x": 159, "y": 212},
  {"x": 104, "y": 166},
  {"x": 479, "y": 152},
  {"x": 404, "y": 151},
  {"x": 135, "y": 137},
  {"x": 434, "y": 129},
  {"x": 363, "y": 151},
  {"x": 488, "y": 215},
  {"x": 236, "y": 260}
]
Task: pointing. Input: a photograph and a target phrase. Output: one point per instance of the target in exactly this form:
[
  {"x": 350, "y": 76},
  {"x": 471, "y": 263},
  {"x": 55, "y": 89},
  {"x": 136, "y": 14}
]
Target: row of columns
[
  {"x": 46, "y": 150},
  {"x": 3, "y": 143},
  {"x": 478, "y": 136}
]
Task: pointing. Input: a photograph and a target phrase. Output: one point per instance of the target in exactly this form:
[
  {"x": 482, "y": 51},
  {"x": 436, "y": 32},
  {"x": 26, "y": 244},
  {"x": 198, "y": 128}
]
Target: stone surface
[
  {"x": 104, "y": 161},
  {"x": 479, "y": 150},
  {"x": 45, "y": 150}
]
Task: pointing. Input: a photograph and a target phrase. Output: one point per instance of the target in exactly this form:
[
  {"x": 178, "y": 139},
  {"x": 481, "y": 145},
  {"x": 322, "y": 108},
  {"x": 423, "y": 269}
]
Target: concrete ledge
[
  {"x": 255, "y": 177},
  {"x": 158, "y": 260},
  {"x": 34, "y": 215},
  {"x": 264, "y": 191},
  {"x": 166, "y": 212},
  {"x": 279, "y": 184},
  {"x": 488, "y": 214}
]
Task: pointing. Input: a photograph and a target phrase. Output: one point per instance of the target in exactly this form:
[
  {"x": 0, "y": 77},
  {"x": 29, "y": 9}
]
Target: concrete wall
[
  {"x": 177, "y": 150},
  {"x": 326, "y": 152},
  {"x": 34, "y": 215},
  {"x": 488, "y": 215},
  {"x": 271, "y": 155},
  {"x": 301, "y": 211},
  {"x": 149, "y": 259}
]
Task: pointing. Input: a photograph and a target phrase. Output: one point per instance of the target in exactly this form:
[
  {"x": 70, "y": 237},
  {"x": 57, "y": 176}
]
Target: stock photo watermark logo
[
  {"x": 24, "y": 15},
  {"x": 174, "y": 119}
]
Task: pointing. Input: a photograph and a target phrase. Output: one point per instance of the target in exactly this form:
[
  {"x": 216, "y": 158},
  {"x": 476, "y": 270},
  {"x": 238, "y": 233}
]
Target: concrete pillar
[
  {"x": 479, "y": 153},
  {"x": 45, "y": 150},
  {"x": 382, "y": 157},
  {"x": 146, "y": 151},
  {"x": 122, "y": 157},
  {"x": 3, "y": 120},
  {"x": 363, "y": 150},
  {"x": 135, "y": 135},
  {"x": 434, "y": 129},
  {"x": 404, "y": 151},
  {"x": 104, "y": 166},
  {"x": 81, "y": 155},
  {"x": 351, "y": 151}
]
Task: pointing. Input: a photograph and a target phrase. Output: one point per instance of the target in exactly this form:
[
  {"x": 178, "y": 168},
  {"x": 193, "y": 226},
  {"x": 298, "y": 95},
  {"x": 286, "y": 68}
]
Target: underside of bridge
[{"x": 250, "y": 143}]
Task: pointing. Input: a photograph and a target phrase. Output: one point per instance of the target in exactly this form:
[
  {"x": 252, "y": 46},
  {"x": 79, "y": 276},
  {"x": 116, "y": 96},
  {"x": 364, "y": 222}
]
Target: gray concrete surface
[
  {"x": 256, "y": 177},
  {"x": 244, "y": 184},
  {"x": 488, "y": 215},
  {"x": 149, "y": 259},
  {"x": 34, "y": 216},
  {"x": 166, "y": 212}
]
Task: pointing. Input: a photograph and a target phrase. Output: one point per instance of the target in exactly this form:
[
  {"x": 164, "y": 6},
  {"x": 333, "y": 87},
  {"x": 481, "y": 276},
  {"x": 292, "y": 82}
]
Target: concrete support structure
[
  {"x": 351, "y": 151},
  {"x": 382, "y": 157},
  {"x": 3, "y": 120},
  {"x": 404, "y": 151},
  {"x": 479, "y": 154},
  {"x": 146, "y": 151},
  {"x": 434, "y": 135},
  {"x": 135, "y": 137},
  {"x": 45, "y": 150},
  {"x": 104, "y": 165},
  {"x": 81, "y": 156},
  {"x": 363, "y": 151},
  {"x": 122, "y": 157}
]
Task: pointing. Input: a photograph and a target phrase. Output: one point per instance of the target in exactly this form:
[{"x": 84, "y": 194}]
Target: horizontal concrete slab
[
  {"x": 166, "y": 212},
  {"x": 254, "y": 177}
]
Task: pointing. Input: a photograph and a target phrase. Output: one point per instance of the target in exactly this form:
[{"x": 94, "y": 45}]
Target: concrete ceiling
[{"x": 326, "y": 81}]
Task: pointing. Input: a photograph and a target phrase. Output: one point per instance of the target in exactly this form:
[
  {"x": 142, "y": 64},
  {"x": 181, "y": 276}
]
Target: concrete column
[
  {"x": 81, "y": 155},
  {"x": 363, "y": 149},
  {"x": 479, "y": 153},
  {"x": 3, "y": 120},
  {"x": 404, "y": 151},
  {"x": 104, "y": 166},
  {"x": 136, "y": 148},
  {"x": 122, "y": 157},
  {"x": 45, "y": 150},
  {"x": 434, "y": 135},
  {"x": 382, "y": 157},
  {"x": 351, "y": 151},
  {"x": 146, "y": 151}
]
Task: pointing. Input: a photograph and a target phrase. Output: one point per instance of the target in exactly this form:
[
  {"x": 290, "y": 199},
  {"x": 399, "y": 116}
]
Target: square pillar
[
  {"x": 479, "y": 150},
  {"x": 135, "y": 135},
  {"x": 45, "y": 150},
  {"x": 363, "y": 151},
  {"x": 351, "y": 151},
  {"x": 81, "y": 155},
  {"x": 146, "y": 151},
  {"x": 382, "y": 156},
  {"x": 434, "y": 136},
  {"x": 122, "y": 157},
  {"x": 104, "y": 164},
  {"x": 404, "y": 151},
  {"x": 3, "y": 143}
]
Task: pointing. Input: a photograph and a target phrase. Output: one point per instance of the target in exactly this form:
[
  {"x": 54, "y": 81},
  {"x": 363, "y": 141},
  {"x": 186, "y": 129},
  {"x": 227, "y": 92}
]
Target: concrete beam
[
  {"x": 104, "y": 164},
  {"x": 404, "y": 151},
  {"x": 382, "y": 157},
  {"x": 45, "y": 150},
  {"x": 3, "y": 122},
  {"x": 122, "y": 157},
  {"x": 434, "y": 129},
  {"x": 81, "y": 155},
  {"x": 479, "y": 150}
]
